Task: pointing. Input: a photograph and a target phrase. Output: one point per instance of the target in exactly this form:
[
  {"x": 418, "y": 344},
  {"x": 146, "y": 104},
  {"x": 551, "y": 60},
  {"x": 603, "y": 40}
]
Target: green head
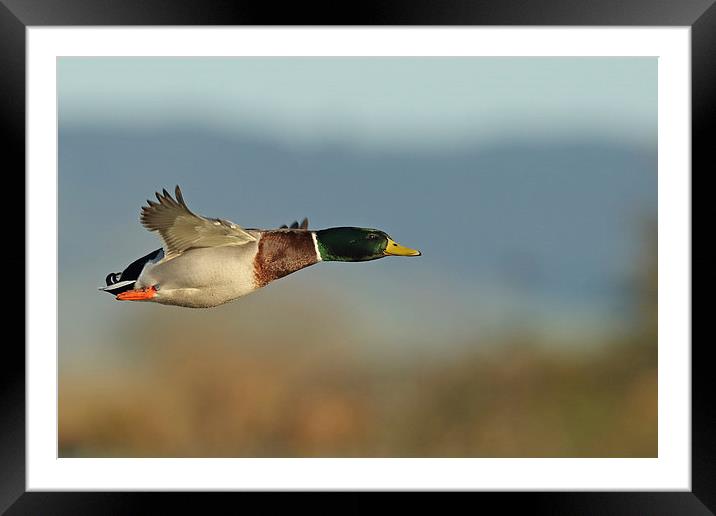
[{"x": 358, "y": 245}]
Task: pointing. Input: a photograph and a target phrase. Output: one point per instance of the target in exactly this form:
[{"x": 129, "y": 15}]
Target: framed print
[{"x": 505, "y": 195}]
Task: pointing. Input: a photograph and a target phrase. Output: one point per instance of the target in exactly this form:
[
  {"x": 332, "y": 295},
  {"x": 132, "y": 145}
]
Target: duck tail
[
  {"x": 115, "y": 285},
  {"x": 118, "y": 282}
]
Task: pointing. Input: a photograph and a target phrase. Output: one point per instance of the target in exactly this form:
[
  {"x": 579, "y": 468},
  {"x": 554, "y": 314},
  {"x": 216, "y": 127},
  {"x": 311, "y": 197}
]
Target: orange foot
[{"x": 137, "y": 295}]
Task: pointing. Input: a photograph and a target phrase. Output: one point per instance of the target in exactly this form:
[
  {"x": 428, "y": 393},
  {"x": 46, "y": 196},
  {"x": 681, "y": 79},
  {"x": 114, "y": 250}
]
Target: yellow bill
[{"x": 395, "y": 249}]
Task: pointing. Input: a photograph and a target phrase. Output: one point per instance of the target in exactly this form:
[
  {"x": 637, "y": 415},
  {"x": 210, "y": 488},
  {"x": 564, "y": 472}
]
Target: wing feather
[
  {"x": 295, "y": 225},
  {"x": 181, "y": 229}
]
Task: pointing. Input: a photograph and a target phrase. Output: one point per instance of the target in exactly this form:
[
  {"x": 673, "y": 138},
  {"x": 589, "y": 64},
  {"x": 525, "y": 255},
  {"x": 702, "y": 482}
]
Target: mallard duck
[{"x": 207, "y": 262}]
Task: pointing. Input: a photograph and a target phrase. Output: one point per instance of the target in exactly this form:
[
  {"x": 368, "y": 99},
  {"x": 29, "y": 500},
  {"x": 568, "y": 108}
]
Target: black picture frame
[{"x": 17, "y": 15}]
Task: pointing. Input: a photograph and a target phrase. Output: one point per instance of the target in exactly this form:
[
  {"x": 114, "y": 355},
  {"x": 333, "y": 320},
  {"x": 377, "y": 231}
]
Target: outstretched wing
[{"x": 181, "y": 229}]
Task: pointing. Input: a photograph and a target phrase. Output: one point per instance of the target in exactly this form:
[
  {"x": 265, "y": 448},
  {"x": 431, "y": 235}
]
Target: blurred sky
[
  {"x": 524, "y": 181},
  {"x": 384, "y": 102}
]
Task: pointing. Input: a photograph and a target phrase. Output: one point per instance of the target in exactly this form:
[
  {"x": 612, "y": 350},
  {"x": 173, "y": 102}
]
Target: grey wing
[{"x": 181, "y": 229}]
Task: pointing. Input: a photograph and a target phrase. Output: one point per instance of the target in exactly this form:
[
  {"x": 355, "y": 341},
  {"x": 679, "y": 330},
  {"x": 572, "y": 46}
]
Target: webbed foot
[{"x": 142, "y": 294}]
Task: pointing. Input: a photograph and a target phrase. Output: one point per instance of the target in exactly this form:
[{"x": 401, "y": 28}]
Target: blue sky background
[{"x": 525, "y": 182}]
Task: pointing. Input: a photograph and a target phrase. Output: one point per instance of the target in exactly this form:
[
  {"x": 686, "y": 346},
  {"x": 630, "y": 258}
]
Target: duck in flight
[{"x": 207, "y": 262}]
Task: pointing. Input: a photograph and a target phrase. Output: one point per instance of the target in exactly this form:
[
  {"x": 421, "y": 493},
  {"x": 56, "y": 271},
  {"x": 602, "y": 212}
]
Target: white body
[{"x": 202, "y": 278}]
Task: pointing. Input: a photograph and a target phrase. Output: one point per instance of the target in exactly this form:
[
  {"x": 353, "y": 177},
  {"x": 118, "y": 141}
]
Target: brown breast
[{"x": 282, "y": 252}]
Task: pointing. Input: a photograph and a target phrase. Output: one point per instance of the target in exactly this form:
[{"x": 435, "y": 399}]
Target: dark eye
[{"x": 372, "y": 236}]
